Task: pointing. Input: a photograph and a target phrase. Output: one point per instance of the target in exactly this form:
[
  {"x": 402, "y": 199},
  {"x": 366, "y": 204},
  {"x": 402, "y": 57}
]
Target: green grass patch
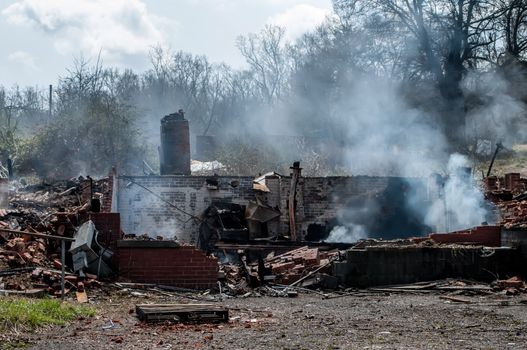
[{"x": 33, "y": 313}]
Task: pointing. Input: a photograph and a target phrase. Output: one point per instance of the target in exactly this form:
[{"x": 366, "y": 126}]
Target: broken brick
[
  {"x": 282, "y": 267},
  {"x": 71, "y": 278},
  {"x": 27, "y": 257},
  {"x": 57, "y": 264},
  {"x": 513, "y": 282}
]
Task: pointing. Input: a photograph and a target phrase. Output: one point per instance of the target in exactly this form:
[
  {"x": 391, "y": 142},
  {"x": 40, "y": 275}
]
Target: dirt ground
[{"x": 367, "y": 320}]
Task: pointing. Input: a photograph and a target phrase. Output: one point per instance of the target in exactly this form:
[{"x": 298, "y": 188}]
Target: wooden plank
[
  {"x": 399, "y": 290},
  {"x": 414, "y": 286},
  {"x": 82, "y": 297},
  {"x": 35, "y": 293},
  {"x": 174, "y": 305},
  {"x": 455, "y": 299},
  {"x": 474, "y": 288}
]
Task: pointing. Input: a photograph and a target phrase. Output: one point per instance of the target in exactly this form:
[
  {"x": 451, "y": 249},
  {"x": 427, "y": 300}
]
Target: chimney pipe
[{"x": 175, "y": 145}]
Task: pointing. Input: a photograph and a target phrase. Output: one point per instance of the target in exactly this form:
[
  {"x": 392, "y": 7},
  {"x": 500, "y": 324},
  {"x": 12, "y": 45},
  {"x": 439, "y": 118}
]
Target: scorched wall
[
  {"x": 143, "y": 212},
  {"x": 320, "y": 202}
]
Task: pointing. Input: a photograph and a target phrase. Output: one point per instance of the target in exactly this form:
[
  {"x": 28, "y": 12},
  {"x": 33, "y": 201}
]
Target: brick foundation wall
[
  {"x": 104, "y": 186},
  {"x": 185, "y": 266},
  {"x": 489, "y": 236}
]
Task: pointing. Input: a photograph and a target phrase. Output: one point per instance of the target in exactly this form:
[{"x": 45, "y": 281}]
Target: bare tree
[
  {"x": 266, "y": 54},
  {"x": 20, "y": 111},
  {"x": 514, "y": 27}
]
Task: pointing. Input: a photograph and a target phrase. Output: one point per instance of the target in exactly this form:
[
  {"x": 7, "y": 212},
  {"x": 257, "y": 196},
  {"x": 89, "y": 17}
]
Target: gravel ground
[{"x": 362, "y": 321}]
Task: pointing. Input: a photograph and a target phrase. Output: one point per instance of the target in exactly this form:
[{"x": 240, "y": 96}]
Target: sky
[{"x": 41, "y": 38}]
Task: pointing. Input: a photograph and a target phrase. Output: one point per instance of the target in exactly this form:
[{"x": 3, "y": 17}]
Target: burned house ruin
[{"x": 177, "y": 205}]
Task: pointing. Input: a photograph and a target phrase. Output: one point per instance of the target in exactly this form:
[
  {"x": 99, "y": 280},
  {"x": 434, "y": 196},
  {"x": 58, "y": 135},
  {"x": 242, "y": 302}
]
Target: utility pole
[{"x": 50, "y": 100}]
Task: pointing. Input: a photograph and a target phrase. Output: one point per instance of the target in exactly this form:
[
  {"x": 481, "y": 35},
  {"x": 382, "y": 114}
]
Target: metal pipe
[
  {"x": 498, "y": 147},
  {"x": 62, "y": 268},
  {"x": 35, "y": 234}
]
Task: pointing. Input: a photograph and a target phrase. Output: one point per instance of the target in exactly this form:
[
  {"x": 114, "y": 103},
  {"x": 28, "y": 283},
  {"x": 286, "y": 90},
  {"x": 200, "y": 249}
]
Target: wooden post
[{"x": 292, "y": 196}]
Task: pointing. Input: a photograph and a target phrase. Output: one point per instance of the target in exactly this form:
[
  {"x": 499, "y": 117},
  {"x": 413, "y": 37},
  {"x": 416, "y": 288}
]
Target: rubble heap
[
  {"x": 31, "y": 265},
  {"x": 509, "y": 194},
  {"x": 290, "y": 267},
  {"x": 513, "y": 213},
  {"x": 303, "y": 267}
]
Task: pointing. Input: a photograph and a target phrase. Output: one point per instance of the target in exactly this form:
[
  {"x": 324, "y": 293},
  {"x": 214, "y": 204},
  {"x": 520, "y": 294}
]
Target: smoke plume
[{"x": 461, "y": 204}]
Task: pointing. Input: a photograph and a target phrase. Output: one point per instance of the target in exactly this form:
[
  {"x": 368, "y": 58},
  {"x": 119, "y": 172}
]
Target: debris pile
[
  {"x": 513, "y": 213},
  {"x": 17, "y": 252},
  {"x": 509, "y": 194},
  {"x": 32, "y": 264},
  {"x": 294, "y": 265},
  {"x": 72, "y": 195},
  {"x": 235, "y": 282},
  {"x": 303, "y": 267},
  {"x": 511, "y": 286},
  {"x": 39, "y": 281},
  {"x": 456, "y": 287}
]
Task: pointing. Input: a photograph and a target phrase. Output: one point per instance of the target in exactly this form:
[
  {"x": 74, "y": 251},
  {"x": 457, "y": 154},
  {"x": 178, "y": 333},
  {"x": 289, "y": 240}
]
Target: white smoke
[
  {"x": 347, "y": 234},
  {"x": 461, "y": 204},
  {"x": 501, "y": 115},
  {"x": 384, "y": 135},
  {"x": 388, "y": 137}
]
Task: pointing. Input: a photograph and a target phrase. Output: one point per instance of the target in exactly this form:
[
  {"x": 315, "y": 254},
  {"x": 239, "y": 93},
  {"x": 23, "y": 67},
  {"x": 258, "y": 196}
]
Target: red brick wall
[
  {"x": 103, "y": 186},
  {"x": 106, "y": 206},
  {"x": 489, "y": 236},
  {"x": 185, "y": 266}
]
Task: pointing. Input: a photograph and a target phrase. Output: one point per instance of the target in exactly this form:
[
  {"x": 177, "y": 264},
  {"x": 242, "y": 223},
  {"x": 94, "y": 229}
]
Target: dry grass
[{"x": 514, "y": 161}]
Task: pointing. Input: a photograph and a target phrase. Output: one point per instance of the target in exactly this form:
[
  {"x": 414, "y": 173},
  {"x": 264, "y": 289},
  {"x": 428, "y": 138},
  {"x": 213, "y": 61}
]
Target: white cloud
[
  {"x": 299, "y": 19},
  {"x": 114, "y": 27},
  {"x": 24, "y": 58}
]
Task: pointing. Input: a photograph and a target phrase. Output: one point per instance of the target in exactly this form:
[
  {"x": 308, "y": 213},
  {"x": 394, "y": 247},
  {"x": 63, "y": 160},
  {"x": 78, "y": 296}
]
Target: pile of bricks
[
  {"x": 511, "y": 286},
  {"x": 49, "y": 280},
  {"x": 57, "y": 209},
  {"x": 28, "y": 265},
  {"x": 235, "y": 282},
  {"x": 19, "y": 252},
  {"x": 514, "y": 214},
  {"x": 289, "y": 267}
]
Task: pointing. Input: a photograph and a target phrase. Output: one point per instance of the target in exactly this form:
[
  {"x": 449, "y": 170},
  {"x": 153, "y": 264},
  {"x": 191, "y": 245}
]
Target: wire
[
  {"x": 102, "y": 250},
  {"x": 486, "y": 252}
]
